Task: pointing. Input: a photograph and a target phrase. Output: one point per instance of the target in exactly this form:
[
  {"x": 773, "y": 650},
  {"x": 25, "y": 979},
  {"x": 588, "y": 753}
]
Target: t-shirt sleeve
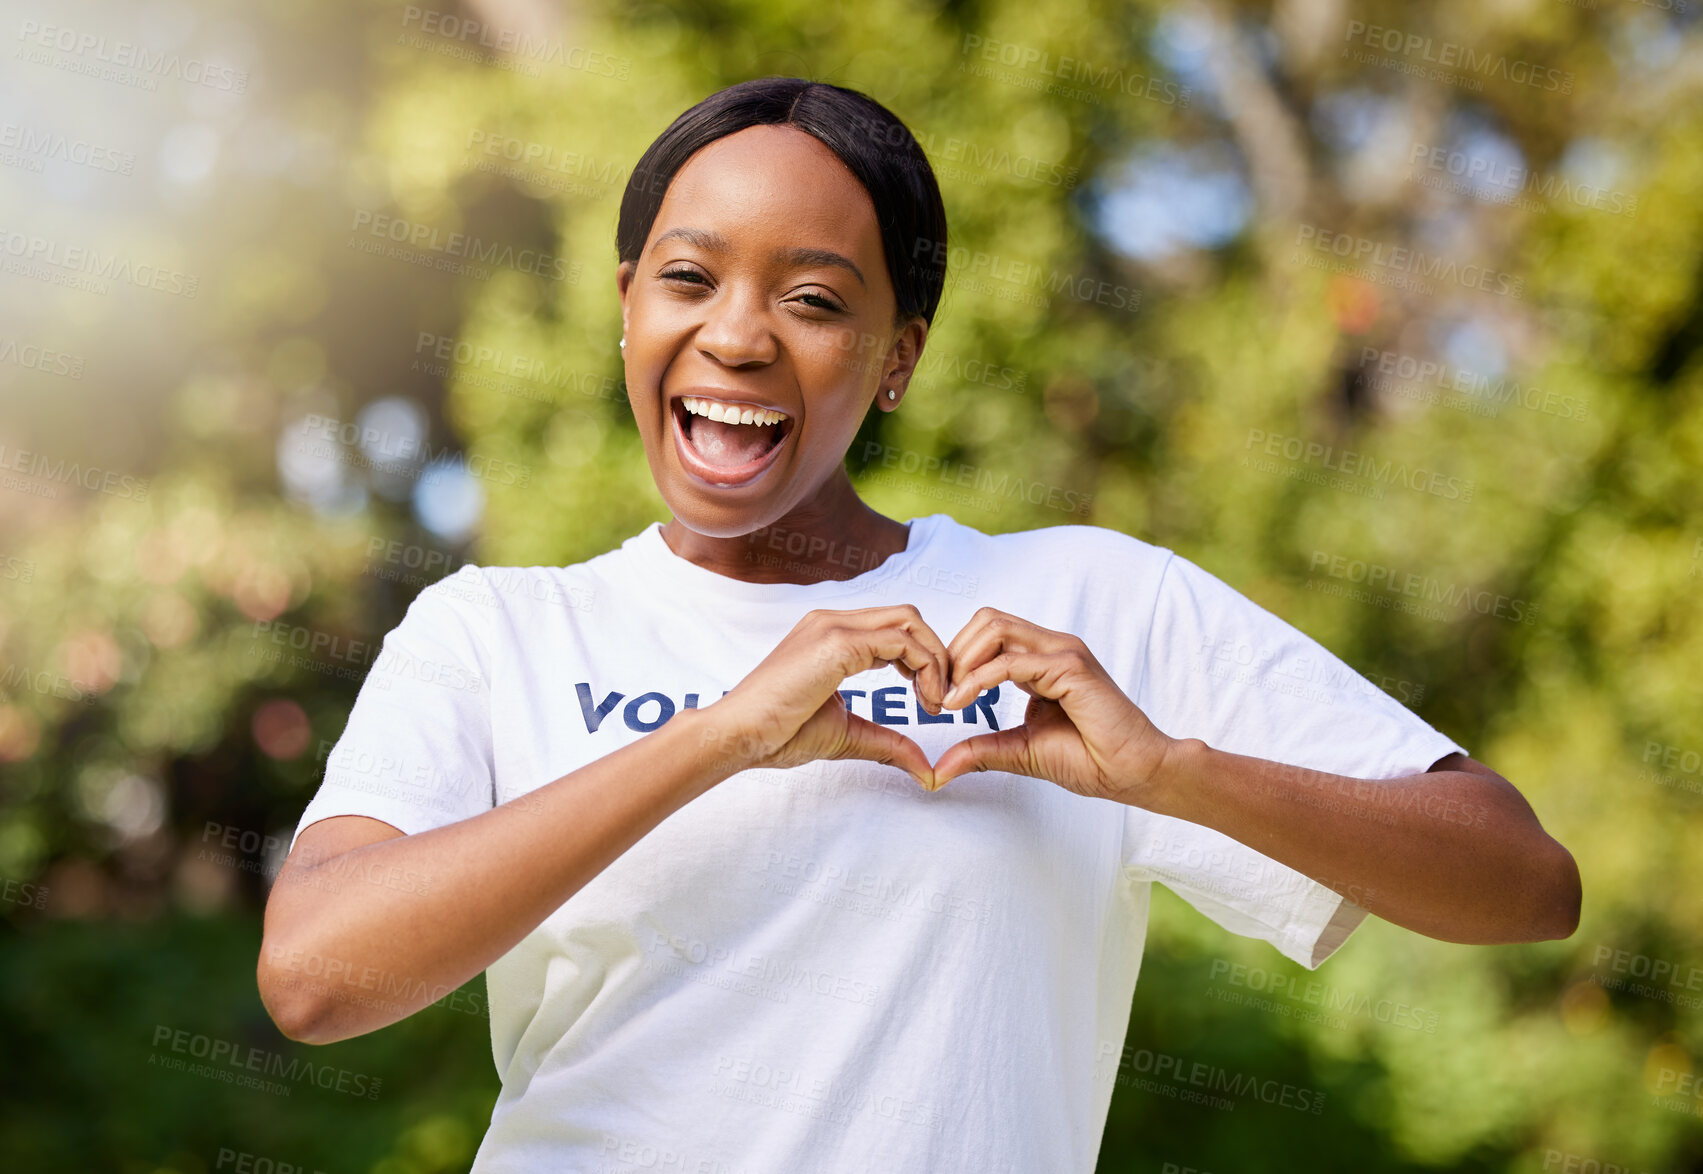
[
  {"x": 416, "y": 752},
  {"x": 1222, "y": 669}
]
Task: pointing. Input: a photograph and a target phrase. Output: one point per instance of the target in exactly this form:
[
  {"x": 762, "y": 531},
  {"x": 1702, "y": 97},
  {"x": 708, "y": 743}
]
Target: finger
[
  {"x": 926, "y": 667},
  {"x": 991, "y": 632},
  {"x": 927, "y": 657},
  {"x": 1043, "y": 674},
  {"x": 1007, "y": 750},
  {"x": 932, "y": 677},
  {"x": 972, "y": 631},
  {"x": 876, "y": 743}
]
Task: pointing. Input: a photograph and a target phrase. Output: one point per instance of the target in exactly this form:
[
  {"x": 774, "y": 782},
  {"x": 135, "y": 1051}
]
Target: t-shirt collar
[{"x": 653, "y": 553}]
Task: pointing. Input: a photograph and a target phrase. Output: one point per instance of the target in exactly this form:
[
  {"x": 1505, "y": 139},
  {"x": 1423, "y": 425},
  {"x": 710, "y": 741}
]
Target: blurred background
[{"x": 1387, "y": 314}]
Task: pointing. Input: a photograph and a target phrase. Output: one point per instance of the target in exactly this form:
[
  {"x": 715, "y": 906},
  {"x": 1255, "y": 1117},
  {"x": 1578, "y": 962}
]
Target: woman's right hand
[{"x": 788, "y": 710}]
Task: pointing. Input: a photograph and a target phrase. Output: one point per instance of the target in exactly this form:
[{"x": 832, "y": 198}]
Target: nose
[{"x": 736, "y": 330}]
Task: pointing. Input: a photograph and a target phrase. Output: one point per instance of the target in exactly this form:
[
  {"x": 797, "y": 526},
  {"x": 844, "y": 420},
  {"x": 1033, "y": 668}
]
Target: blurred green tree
[{"x": 1321, "y": 295}]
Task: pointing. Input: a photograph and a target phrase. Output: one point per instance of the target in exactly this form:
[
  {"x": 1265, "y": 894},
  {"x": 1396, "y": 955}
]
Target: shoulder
[
  {"x": 1073, "y": 547},
  {"x": 480, "y": 589}
]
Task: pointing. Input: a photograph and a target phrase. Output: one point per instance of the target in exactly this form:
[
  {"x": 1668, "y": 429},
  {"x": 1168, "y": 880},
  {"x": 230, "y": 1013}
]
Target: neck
[{"x": 832, "y": 536}]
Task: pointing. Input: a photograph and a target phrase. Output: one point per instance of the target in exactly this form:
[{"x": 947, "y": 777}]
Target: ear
[
  {"x": 901, "y": 362},
  {"x": 623, "y": 284}
]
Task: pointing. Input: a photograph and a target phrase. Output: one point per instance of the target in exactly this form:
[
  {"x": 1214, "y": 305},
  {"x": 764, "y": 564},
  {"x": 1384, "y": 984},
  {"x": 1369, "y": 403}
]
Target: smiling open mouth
[{"x": 727, "y": 443}]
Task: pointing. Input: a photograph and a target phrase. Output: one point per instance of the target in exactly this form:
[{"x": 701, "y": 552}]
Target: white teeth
[{"x": 730, "y": 413}]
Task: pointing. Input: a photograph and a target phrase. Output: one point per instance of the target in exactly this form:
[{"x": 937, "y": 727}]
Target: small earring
[
  {"x": 891, "y": 394},
  {"x": 623, "y": 344}
]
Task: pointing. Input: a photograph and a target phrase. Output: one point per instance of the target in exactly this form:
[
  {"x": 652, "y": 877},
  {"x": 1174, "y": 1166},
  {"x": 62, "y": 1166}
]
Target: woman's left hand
[{"x": 1080, "y": 730}]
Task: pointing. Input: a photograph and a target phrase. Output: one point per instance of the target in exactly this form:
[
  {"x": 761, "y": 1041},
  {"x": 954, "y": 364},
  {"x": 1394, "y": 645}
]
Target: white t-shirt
[{"x": 828, "y": 968}]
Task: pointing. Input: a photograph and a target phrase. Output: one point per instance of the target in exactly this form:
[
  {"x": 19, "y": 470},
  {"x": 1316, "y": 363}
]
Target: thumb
[
  {"x": 865, "y": 739},
  {"x": 1007, "y": 750}
]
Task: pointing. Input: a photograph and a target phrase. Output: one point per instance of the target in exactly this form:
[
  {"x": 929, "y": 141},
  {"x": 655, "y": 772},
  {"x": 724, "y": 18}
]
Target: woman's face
[{"x": 762, "y": 290}]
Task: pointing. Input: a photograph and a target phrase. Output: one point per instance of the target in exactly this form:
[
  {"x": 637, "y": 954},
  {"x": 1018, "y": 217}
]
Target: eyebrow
[{"x": 798, "y": 255}]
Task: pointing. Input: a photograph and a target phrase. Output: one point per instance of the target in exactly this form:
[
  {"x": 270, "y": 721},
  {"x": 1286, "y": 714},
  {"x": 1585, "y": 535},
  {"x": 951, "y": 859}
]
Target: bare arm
[
  {"x": 1455, "y": 853},
  {"x": 366, "y": 925}
]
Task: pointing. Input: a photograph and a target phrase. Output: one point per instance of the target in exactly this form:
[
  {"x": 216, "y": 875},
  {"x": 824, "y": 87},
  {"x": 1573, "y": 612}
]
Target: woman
[{"x": 846, "y": 857}]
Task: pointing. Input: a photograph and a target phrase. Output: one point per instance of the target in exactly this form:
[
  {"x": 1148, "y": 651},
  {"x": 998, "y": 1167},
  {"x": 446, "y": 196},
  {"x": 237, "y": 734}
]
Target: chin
[{"x": 718, "y": 520}]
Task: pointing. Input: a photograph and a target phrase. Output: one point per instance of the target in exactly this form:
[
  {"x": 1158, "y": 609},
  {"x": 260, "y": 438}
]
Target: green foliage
[{"x": 154, "y": 614}]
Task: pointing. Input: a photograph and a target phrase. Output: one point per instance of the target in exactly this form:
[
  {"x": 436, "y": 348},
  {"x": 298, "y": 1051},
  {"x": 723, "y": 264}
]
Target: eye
[
  {"x": 691, "y": 275},
  {"x": 818, "y": 301}
]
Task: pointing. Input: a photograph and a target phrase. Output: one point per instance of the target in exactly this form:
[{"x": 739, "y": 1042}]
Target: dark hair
[{"x": 873, "y": 144}]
